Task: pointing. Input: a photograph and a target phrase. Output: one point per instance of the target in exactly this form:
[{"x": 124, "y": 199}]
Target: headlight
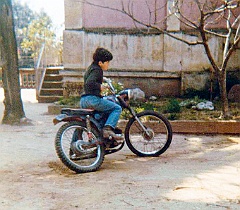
[{"x": 135, "y": 94}]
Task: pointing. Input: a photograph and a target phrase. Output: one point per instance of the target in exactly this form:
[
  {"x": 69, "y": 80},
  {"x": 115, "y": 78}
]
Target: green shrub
[
  {"x": 173, "y": 106},
  {"x": 148, "y": 106},
  {"x": 173, "y": 116},
  {"x": 70, "y": 101}
]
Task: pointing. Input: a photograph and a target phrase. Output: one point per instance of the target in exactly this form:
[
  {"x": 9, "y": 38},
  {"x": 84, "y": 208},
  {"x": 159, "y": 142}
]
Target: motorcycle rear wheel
[
  {"x": 69, "y": 140},
  {"x": 151, "y": 141}
]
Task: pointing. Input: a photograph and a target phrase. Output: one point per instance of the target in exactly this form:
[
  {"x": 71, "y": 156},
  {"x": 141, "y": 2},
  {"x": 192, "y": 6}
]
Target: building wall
[
  {"x": 80, "y": 15},
  {"x": 156, "y": 63}
]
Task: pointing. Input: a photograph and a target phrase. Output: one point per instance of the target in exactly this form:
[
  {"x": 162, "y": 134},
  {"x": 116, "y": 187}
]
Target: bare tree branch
[
  {"x": 227, "y": 43},
  {"x": 237, "y": 32},
  {"x": 149, "y": 12},
  {"x": 181, "y": 17},
  {"x": 229, "y": 53},
  {"x": 222, "y": 8},
  {"x": 205, "y": 43},
  {"x": 215, "y": 33}
]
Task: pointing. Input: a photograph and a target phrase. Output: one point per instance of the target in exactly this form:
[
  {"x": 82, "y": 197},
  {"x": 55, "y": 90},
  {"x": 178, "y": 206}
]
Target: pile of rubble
[{"x": 203, "y": 105}]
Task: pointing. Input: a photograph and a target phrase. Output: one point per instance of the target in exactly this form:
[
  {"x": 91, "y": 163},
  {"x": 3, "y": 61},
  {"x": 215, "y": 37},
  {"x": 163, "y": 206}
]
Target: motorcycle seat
[{"x": 71, "y": 111}]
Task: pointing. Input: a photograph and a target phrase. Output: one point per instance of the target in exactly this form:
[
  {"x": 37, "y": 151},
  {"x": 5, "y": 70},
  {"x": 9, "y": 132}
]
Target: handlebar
[{"x": 112, "y": 89}]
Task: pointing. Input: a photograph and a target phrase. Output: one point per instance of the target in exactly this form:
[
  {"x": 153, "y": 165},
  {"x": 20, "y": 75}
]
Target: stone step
[
  {"x": 48, "y": 99},
  {"x": 52, "y": 71},
  {"x": 52, "y": 84},
  {"x": 51, "y": 92},
  {"x": 53, "y": 77}
]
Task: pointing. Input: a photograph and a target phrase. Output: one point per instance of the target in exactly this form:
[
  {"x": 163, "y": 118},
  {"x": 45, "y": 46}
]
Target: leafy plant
[
  {"x": 70, "y": 101},
  {"x": 173, "y": 116},
  {"x": 148, "y": 106},
  {"x": 191, "y": 102},
  {"x": 143, "y": 105},
  {"x": 173, "y": 106},
  {"x": 117, "y": 86}
]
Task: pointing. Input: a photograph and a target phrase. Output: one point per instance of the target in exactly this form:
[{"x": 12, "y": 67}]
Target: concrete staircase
[{"x": 50, "y": 87}]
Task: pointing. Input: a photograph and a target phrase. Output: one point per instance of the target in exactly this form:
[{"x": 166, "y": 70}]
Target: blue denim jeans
[{"x": 109, "y": 108}]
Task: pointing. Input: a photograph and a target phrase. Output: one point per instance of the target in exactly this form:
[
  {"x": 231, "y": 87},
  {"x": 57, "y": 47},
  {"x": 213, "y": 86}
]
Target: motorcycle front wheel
[
  {"x": 148, "y": 134},
  {"x": 70, "y": 145}
]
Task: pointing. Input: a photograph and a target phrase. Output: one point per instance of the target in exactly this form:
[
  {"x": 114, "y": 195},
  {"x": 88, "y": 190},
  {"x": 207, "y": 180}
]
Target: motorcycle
[{"x": 81, "y": 147}]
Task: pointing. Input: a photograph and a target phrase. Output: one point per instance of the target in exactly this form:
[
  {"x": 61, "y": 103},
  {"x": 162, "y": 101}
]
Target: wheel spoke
[
  {"x": 70, "y": 141},
  {"x": 154, "y": 140},
  {"x": 84, "y": 157}
]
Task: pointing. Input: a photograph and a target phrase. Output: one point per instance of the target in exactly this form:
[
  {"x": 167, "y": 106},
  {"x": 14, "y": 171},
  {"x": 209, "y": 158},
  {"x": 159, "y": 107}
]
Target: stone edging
[{"x": 206, "y": 127}]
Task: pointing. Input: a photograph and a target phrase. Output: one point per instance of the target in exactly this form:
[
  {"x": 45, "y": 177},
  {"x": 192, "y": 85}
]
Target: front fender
[{"x": 65, "y": 118}]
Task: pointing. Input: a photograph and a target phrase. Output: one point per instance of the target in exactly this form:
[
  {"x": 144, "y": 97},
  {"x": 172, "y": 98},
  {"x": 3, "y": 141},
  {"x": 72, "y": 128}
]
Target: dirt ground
[{"x": 196, "y": 172}]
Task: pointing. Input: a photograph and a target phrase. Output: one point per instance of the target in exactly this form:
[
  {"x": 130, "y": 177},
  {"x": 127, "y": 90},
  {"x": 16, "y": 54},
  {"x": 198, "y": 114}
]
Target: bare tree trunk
[
  {"x": 14, "y": 112},
  {"x": 221, "y": 72},
  {"x": 223, "y": 93}
]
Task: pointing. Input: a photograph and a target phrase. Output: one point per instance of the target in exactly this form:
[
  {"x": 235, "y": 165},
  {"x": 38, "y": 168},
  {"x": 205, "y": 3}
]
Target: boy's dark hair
[{"x": 102, "y": 54}]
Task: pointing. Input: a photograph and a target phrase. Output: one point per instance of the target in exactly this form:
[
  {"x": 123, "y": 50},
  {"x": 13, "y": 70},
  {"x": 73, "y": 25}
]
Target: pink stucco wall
[
  {"x": 98, "y": 17},
  {"x": 144, "y": 10},
  {"x": 191, "y": 11}
]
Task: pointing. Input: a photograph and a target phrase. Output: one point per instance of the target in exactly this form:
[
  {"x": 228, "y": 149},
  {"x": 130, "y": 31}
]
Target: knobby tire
[
  {"x": 65, "y": 155},
  {"x": 148, "y": 145}
]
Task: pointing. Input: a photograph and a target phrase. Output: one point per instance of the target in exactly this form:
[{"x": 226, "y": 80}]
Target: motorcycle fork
[{"x": 139, "y": 122}]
